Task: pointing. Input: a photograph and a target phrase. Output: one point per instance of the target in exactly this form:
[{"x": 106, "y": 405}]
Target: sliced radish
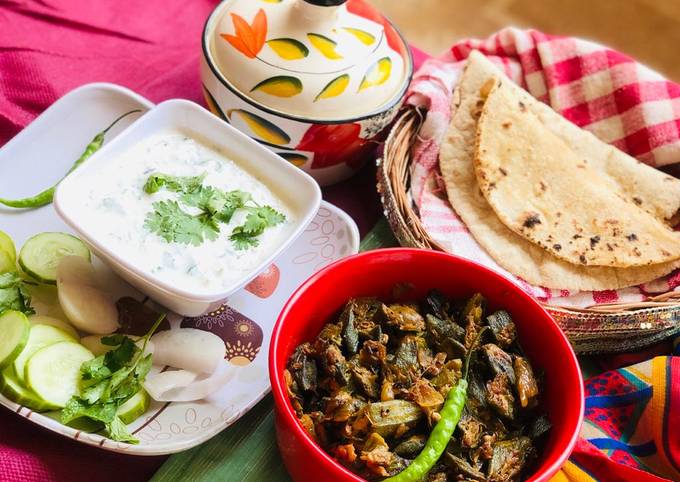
[
  {"x": 183, "y": 391},
  {"x": 158, "y": 384},
  {"x": 88, "y": 308},
  {"x": 76, "y": 270},
  {"x": 188, "y": 348}
]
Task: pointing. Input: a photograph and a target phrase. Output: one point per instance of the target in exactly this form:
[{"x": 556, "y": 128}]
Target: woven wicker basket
[{"x": 598, "y": 329}]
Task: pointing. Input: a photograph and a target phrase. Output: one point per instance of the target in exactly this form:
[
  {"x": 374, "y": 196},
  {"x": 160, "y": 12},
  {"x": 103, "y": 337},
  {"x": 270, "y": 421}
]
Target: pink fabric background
[{"x": 47, "y": 48}]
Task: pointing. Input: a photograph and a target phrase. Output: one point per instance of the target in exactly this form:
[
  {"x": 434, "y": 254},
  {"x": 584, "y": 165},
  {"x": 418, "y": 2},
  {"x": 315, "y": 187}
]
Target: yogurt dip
[{"x": 115, "y": 206}]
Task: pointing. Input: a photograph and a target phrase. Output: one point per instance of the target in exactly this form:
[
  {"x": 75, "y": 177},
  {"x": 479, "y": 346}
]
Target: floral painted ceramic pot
[{"x": 315, "y": 80}]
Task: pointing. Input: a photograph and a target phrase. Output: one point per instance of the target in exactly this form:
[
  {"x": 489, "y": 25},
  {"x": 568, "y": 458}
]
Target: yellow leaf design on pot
[
  {"x": 324, "y": 45},
  {"x": 280, "y": 86},
  {"x": 294, "y": 158},
  {"x": 262, "y": 128},
  {"x": 377, "y": 74},
  {"x": 288, "y": 48},
  {"x": 212, "y": 104},
  {"x": 334, "y": 88},
  {"x": 363, "y": 36}
]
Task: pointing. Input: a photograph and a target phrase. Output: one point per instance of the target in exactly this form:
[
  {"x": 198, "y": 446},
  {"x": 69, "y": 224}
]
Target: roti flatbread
[
  {"x": 509, "y": 250},
  {"x": 544, "y": 191},
  {"x": 652, "y": 190}
]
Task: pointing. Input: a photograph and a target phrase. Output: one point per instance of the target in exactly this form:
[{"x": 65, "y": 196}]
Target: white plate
[{"x": 44, "y": 151}]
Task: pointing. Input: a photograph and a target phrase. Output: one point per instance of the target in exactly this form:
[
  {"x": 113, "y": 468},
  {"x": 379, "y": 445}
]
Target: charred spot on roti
[
  {"x": 593, "y": 241},
  {"x": 637, "y": 201},
  {"x": 664, "y": 252},
  {"x": 557, "y": 246},
  {"x": 522, "y": 106},
  {"x": 531, "y": 220},
  {"x": 582, "y": 259},
  {"x": 492, "y": 185},
  {"x": 488, "y": 86},
  {"x": 506, "y": 124},
  {"x": 610, "y": 247},
  {"x": 637, "y": 252},
  {"x": 632, "y": 237},
  {"x": 576, "y": 236},
  {"x": 502, "y": 171}
]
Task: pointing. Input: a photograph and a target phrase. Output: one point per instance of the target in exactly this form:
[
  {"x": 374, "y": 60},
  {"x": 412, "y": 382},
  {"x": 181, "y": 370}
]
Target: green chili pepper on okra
[
  {"x": 441, "y": 433},
  {"x": 45, "y": 197}
]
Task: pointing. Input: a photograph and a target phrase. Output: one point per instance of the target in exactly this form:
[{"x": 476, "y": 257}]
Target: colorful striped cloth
[
  {"x": 618, "y": 99},
  {"x": 632, "y": 424}
]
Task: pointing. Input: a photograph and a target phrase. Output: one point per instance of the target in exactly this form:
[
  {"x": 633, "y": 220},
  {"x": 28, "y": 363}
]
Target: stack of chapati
[{"x": 549, "y": 201}]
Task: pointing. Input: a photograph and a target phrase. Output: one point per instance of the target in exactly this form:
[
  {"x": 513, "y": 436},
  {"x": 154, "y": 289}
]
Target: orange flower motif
[{"x": 249, "y": 38}]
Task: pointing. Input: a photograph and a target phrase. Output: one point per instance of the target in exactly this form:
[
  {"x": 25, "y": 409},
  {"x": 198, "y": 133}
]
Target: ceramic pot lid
[{"x": 314, "y": 59}]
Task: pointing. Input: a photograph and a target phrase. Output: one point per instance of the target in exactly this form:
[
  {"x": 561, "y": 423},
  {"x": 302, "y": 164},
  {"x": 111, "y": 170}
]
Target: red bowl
[{"x": 374, "y": 273}]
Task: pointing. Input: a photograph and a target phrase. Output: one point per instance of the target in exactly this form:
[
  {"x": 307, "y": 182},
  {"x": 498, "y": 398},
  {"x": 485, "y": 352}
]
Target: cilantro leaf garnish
[
  {"x": 184, "y": 184},
  {"x": 172, "y": 223},
  {"x": 13, "y": 294},
  {"x": 110, "y": 380}
]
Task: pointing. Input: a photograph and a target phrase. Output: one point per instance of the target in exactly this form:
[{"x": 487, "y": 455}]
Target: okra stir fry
[{"x": 437, "y": 390}]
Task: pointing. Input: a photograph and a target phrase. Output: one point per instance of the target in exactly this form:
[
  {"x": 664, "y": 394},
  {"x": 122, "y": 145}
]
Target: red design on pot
[
  {"x": 335, "y": 144},
  {"x": 367, "y": 11}
]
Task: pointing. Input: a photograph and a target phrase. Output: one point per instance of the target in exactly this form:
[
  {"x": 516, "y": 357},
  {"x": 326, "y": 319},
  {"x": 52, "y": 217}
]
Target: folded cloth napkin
[
  {"x": 630, "y": 432},
  {"x": 621, "y": 101}
]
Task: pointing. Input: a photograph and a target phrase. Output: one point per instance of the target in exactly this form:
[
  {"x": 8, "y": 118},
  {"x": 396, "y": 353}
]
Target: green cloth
[{"x": 247, "y": 450}]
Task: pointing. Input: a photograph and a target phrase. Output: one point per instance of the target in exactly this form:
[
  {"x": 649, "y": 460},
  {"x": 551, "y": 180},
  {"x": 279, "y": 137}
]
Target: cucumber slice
[
  {"x": 7, "y": 245},
  {"x": 39, "y": 337},
  {"x": 40, "y": 255},
  {"x": 53, "y": 372},
  {"x": 45, "y": 300},
  {"x": 15, "y": 328},
  {"x": 12, "y": 388},
  {"x": 135, "y": 407},
  {"x": 55, "y": 322},
  {"x": 6, "y": 263},
  {"x": 85, "y": 424}
]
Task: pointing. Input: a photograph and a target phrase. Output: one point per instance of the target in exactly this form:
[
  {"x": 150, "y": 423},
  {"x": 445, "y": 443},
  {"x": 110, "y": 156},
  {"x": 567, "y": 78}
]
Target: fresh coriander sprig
[
  {"x": 110, "y": 380},
  {"x": 185, "y": 184},
  {"x": 173, "y": 224},
  {"x": 13, "y": 293}
]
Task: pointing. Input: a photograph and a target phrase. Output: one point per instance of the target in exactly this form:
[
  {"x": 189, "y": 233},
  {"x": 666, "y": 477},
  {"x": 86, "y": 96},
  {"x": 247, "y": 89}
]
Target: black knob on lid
[{"x": 326, "y": 3}]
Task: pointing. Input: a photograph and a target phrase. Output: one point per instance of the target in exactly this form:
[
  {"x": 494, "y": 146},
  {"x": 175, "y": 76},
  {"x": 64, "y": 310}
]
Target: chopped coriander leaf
[
  {"x": 110, "y": 380},
  {"x": 258, "y": 219},
  {"x": 14, "y": 295},
  {"x": 183, "y": 184},
  {"x": 174, "y": 225},
  {"x": 243, "y": 240},
  {"x": 233, "y": 201},
  {"x": 206, "y": 198}
]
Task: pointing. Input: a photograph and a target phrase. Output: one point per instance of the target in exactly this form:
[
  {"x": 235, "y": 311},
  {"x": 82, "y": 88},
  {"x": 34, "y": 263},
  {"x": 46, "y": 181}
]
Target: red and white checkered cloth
[{"x": 606, "y": 92}]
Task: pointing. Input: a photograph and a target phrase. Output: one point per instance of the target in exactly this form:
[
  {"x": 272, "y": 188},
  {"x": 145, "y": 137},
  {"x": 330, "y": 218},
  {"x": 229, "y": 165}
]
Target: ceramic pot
[{"x": 317, "y": 81}]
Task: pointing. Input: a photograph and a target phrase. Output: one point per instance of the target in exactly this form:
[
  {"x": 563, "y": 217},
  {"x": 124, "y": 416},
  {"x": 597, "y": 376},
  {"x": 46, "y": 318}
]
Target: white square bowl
[{"x": 297, "y": 189}]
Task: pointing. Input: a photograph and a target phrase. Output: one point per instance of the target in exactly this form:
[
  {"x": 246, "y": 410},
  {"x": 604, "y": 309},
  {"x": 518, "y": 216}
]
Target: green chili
[
  {"x": 45, "y": 197},
  {"x": 442, "y": 431}
]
